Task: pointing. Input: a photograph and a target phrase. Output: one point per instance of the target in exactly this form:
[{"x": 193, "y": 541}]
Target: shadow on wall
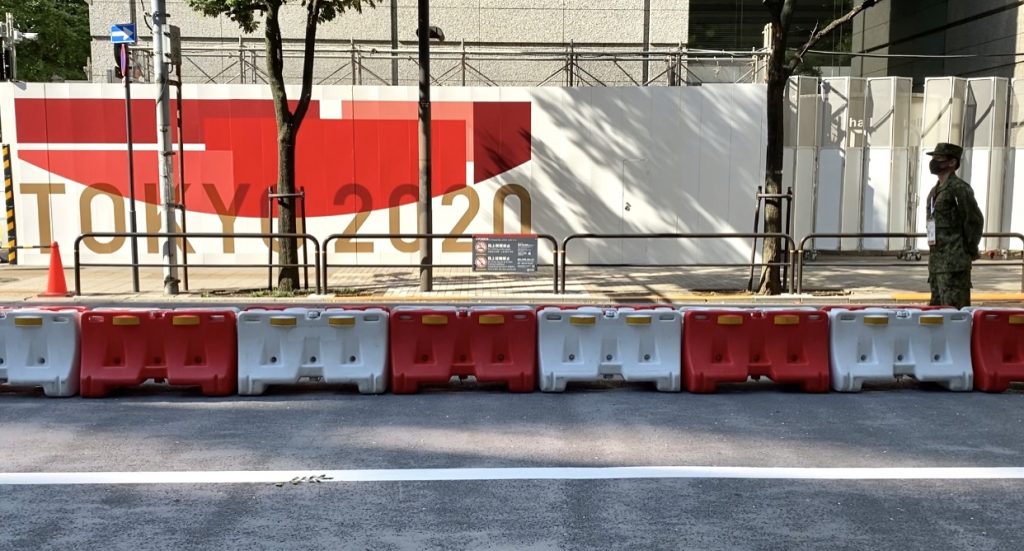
[{"x": 643, "y": 160}]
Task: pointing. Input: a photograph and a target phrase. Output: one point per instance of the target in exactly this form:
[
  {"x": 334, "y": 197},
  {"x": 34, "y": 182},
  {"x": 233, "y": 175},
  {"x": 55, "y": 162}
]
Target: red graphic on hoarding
[{"x": 364, "y": 160}]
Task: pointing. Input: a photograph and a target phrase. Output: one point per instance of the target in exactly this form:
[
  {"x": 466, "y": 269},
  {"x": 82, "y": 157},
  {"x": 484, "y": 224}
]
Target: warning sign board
[{"x": 504, "y": 253}]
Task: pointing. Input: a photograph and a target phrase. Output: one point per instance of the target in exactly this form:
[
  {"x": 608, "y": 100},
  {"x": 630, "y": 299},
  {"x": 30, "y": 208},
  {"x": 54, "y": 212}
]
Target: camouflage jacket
[{"x": 958, "y": 226}]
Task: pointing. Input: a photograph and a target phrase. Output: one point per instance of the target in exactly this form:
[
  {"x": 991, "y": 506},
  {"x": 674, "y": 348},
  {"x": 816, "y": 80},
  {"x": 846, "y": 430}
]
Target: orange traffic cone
[{"x": 55, "y": 284}]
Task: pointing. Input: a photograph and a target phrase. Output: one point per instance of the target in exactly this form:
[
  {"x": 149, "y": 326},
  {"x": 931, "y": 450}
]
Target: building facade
[
  {"x": 510, "y": 42},
  {"x": 986, "y": 34},
  {"x": 488, "y": 42}
]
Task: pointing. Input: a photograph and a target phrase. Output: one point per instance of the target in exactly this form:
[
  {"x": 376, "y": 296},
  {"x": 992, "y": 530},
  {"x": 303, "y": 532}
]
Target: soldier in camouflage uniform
[{"x": 955, "y": 225}]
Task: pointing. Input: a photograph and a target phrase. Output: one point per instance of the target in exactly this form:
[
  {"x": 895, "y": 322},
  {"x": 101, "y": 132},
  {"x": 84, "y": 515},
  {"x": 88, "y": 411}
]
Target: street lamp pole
[
  {"x": 424, "y": 217},
  {"x": 9, "y": 38}
]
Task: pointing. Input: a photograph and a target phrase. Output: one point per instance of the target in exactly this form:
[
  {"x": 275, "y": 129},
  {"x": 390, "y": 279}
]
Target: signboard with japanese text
[{"x": 504, "y": 253}]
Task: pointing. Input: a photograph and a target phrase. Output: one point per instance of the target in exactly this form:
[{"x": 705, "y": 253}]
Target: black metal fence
[
  {"x": 269, "y": 266},
  {"x": 335, "y": 237},
  {"x": 793, "y": 267},
  {"x": 591, "y": 236}
]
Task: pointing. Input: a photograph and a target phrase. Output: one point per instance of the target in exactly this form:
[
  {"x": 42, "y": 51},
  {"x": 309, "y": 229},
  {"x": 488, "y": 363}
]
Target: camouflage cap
[{"x": 947, "y": 150}]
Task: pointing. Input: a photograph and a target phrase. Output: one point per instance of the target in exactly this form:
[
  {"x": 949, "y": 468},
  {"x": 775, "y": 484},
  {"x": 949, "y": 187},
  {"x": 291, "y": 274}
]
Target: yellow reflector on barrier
[
  {"x": 876, "y": 319},
  {"x": 341, "y": 321},
  {"x": 492, "y": 319},
  {"x": 931, "y": 320},
  {"x": 434, "y": 319},
  {"x": 637, "y": 319},
  {"x": 1017, "y": 319},
  {"x": 126, "y": 321},
  {"x": 787, "y": 319},
  {"x": 283, "y": 321},
  {"x": 185, "y": 320},
  {"x": 28, "y": 321},
  {"x": 730, "y": 320},
  {"x": 582, "y": 319}
]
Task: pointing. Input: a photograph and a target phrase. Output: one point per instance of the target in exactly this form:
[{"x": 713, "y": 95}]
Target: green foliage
[
  {"x": 248, "y": 13},
  {"x": 62, "y": 49}
]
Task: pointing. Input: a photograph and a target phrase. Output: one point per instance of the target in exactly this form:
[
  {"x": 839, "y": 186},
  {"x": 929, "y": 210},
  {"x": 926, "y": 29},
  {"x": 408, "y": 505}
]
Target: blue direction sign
[{"x": 123, "y": 33}]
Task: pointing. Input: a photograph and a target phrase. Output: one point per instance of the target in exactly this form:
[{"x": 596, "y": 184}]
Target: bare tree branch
[{"x": 819, "y": 34}]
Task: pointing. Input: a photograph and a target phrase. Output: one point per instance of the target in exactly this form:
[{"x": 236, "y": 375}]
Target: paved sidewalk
[{"x": 868, "y": 281}]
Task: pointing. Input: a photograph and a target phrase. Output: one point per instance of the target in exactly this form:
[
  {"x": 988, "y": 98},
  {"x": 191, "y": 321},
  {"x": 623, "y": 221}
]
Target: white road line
[{"x": 444, "y": 475}]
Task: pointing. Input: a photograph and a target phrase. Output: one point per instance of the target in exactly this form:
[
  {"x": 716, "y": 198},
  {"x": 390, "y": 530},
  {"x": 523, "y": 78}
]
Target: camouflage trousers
[{"x": 951, "y": 289}]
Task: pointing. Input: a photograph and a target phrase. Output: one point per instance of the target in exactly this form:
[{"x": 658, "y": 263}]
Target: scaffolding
[{"x": 463, "y": 65}]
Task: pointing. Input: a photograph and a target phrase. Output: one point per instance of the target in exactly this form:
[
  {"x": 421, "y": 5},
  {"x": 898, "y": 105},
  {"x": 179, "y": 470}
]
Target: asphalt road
[{"x": 755, "y": 425}]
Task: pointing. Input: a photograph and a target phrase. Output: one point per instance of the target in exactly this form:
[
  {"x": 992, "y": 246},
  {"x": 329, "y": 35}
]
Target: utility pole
[
  {"x": 10, "y": 53},
  {"x": 9, "y": 38},
  {"x": 163, "y": 124},
  {"x": 424, "y": 219},
  {"x": 5, "y": 43},
  {"x": 13, "y": 49}
]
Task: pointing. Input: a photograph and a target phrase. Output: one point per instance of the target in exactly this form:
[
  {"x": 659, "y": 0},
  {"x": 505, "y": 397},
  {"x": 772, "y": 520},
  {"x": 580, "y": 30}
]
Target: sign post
[{"x": 122, "y": 35}]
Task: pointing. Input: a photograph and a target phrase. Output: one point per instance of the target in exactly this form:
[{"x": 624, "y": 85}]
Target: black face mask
[{"x": 936, "y": 166}]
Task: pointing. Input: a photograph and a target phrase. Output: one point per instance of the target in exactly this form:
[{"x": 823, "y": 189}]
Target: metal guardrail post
[{"x": 78, "y": 273}]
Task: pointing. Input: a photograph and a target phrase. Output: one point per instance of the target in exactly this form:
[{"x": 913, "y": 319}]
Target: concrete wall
[
  {"x": 940, "y": 27},
  {"x": 514, "y": 24}
]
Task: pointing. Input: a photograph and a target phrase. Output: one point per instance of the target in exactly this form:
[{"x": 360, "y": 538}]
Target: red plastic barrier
[
  {"x": 125, "y": 348},
  {"x": 997, "y": 349},
  {"x": 787, "y": 346},
  {"x": 431, "y": 345}
]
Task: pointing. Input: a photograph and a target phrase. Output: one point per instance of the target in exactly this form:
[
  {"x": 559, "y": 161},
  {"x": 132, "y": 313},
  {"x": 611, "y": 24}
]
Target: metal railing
[
  {"x": 334, "y": 237},
  {"x": 307, "y": 238},
  {"x": 799, "y": 261},
  {"x": 581, "y": 236},
  {"x": 321, "y": 261}
]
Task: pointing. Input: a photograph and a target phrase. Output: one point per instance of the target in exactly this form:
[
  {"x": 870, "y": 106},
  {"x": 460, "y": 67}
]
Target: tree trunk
[
  {"x": 771, "y": 281},
  {"x": 778, "y": 76},
  {"x": 288, "y": 253},
  {"x": 287, "y": 131},
  {"x": 779, "y": 70}
]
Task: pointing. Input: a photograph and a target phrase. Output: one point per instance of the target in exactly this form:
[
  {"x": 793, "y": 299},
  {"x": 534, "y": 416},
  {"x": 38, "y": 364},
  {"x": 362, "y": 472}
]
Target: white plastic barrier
[
  {"x": 337, "y": 345},
  {"x": 878, "y": 345},
  {"x": 589, "y": 344},
  {"x": 39, "y": 348}
]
